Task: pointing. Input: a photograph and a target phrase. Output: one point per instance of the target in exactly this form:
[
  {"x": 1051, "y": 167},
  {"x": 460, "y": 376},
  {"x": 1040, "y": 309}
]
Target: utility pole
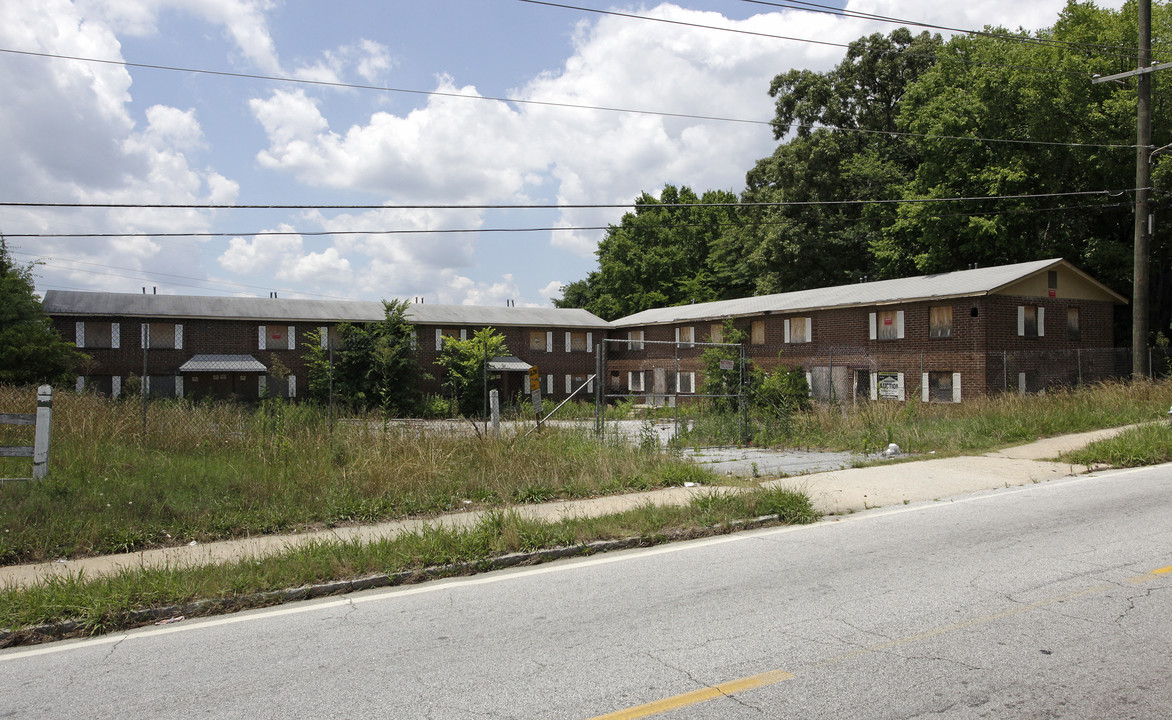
[{"x": 1143, "y": 175}]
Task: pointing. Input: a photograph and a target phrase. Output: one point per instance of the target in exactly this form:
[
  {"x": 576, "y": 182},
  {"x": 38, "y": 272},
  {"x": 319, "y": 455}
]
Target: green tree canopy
[
  {"x": 31, "y": 351},
  {"x": 659, "y": 255},
  {"x": 374, "y": 364},
  {"x": 464, "y": 362}
]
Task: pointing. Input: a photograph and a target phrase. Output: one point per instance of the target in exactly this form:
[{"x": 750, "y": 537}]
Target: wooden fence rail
[{"x": 41, "y": 420}]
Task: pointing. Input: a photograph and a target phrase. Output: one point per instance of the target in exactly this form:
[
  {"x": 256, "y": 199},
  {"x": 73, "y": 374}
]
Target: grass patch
[
  {"x": 1144, "y": 445},
  {"x": 108, "y": 603},
  {"x": 215, "y": 471}
]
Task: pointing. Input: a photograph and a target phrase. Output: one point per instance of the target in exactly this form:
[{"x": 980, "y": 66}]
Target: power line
[
  {"x": 831, "y": 10},
  {"x": 567, "y": 206},
  {"x": 545, "y": 103},
  {"x": 684, "y": 23}
]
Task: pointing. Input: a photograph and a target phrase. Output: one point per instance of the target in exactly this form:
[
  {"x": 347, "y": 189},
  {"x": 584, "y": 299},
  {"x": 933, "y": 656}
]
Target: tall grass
[
  {"x": 214, "y": 471},
  {"x": 107, "y": 603}
]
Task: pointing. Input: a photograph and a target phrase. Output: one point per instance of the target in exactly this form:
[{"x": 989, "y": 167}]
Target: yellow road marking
[
  {"x": 775, "y": 676},
  {"x": 699, "y": 696}
]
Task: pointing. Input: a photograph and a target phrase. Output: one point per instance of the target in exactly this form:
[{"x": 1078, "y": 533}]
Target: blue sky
[{"x": 77, "y": 132}]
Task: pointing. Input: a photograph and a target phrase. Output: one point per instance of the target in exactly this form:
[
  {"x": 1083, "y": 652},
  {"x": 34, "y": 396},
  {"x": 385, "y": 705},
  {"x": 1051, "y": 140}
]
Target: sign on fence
[{"x": 39, "y": 450}]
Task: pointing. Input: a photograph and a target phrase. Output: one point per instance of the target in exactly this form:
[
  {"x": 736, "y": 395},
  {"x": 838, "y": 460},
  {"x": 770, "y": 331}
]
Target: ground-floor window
[{"x": 941, "y": 386}]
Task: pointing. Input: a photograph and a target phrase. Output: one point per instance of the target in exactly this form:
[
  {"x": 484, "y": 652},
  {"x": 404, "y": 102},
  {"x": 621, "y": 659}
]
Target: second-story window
[{"x": 940, "y": 321}]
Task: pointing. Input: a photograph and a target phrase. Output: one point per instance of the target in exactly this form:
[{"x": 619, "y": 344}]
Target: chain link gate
[{"x": 660, "y": 391}]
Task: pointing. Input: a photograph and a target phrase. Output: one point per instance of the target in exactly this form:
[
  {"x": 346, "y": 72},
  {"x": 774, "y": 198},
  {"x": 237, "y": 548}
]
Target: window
[
  {"x": 940, "y": 321},
  {"x": 686, "y": 336},
  {"x": 941, "y": 387},
  {"x": 635, "y": 380},
  {"x": 1072, "y": 329},
  {"x": 798, "y": 330},
  {"x": 277, "y": 337},
  {"x": 441, "y": 333},
  {"x": 887, "y": 325},
  {"x": 716, "y": 333},
  {"x": 163, "y": 336},
  {"x": 686, "y": 382},
  {"x": 758, "y": 332},
  {"x": 1052, "y": 279},
  {"x": 578, "y": 342},
  {"x": 537, "y": 340},
  {"x": 98, "y": 335},
  {"x": 1031, "y": 321},
  {"x": 635, "y": 340}
]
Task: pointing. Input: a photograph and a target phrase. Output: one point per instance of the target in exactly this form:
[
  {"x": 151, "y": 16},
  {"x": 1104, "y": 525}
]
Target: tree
[
  {"x": 722, "y": 382},
  {"x": 464, "y": 364},
  {"x": 31, "y": 351},
  {"x": 819, "y": 239},
  {"x": 659, "y": 255},
  {"x": 374, "y": 364}
]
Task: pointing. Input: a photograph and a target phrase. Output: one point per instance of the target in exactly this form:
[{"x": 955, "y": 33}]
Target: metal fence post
[{"x": 41, "y": 438}]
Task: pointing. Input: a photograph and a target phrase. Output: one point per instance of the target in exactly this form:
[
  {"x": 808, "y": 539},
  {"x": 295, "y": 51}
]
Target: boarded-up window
[
  {"x": 716, "y": 333},
  {"x": 887, "y": 327},
  {"x": 686, "y": 382},
  {"x": 1072, "y": 328},
  {"x": 758, "y": 332},
  {"x": 635, "y": 380},
  {"x": 162, "y": 335},
  {"x": 577, "y": 342},
  {"x": 940, "y": 386},
  {"x": 799, "y": 330},
  {"x": 686, "y": 336},
  {"x": 635, "y": 340},
  {"x": 98, "y": 335},
  {"x": 537, "y": 340},
  {"x": 940, "y": 321},
  {"x": 1028, "y": 320}
]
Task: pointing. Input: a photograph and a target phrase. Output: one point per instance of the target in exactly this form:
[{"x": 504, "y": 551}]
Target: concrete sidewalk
[{"x": 834, "y": 492}]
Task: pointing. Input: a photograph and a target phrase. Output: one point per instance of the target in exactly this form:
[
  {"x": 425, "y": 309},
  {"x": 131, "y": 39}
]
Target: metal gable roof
[
  {"x": 962, "y": 283},
  {"x": 68, "y": 302}
]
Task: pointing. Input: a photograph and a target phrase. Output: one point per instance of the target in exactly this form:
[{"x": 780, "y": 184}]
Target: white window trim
[
  {"x": 1021, "y": 383},
  {"x": 809, "y": 384},
  {"x": 439, "y": 339},
  {"x": 79, "y": 334},
  {"x": 549, "y": 384},
  {"x": 178, "y": 336},
  {"x": 549, "y": 349},
  {"x": 925, "y": 391},
  {"x": 324, "y": 333},
  {"x": 262, "y": 336},
  {"x": 292, "y": 386},
  {"x": 115, "y": 335},
  {"x": 569, "y": 384},
  {"x": 787, "y": 331},
  {"x": 178, "y": 386},
  {"x": 1041, "y": 321},
  {"x": 463, "y": 333},
  {"x": 589, "y": 342},
  {"x": 902, "y": 388},
  {"x": 116, "y": 386},
  {"x": 292, "y": 337},
  {"x": 631, "y": 384},
  {"x": 261, "y": 384},
  {"x": 875, "y": 386},
  {"x": 873, "y": 321},
  {"x": 899, "y": 324},
  {"x": 144, "y": 335},
  {"x": 79, "y": 385},
  {"x": 568, "y": 344},
  {"x": 956, "y": 387}
]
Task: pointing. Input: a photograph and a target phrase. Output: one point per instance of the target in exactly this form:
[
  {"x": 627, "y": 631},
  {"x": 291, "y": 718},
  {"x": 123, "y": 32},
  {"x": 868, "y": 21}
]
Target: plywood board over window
[
  {"x": 886, "y": 325},
  {"x": 758, "y": 332},
  {"x": 1073, "y": 331},
  {"x": 537, "y": 340},
  {"x": 716, "y": 333},
  {"x": 940, "y": 321},
  {"x": 799, "y": 330}
]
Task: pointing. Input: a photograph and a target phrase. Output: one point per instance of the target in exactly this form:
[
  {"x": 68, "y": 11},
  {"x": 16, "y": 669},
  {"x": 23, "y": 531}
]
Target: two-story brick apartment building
[
  {"x": 936, "y": 337},
  {"x": 196, "y": 346}
]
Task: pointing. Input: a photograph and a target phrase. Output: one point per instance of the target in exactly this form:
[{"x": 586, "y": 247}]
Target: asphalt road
[{"x": 1044, "y": 601}]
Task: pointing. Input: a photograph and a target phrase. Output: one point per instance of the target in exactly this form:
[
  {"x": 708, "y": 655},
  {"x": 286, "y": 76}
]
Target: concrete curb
[{"x": 65, "y": 629}]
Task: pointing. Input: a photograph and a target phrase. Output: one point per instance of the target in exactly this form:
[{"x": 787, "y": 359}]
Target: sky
[{"x": 429, "y": 130}]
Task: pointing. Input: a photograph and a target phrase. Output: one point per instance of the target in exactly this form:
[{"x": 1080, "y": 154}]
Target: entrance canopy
[
  {"x": 508, "y": 363},
  {"x": 223, "y": 363}
]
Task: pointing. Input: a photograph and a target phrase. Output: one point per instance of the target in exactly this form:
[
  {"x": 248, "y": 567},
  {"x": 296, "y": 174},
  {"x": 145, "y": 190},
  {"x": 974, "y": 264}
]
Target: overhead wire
[
  {"x": 541, "y": 206},
  {"x": 547, "y": 103},
  {"x": 805, "y": 6}
]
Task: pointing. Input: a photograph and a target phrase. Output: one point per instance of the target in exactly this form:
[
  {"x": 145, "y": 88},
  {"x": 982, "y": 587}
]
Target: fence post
[{"x": 41, "y": 438}]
